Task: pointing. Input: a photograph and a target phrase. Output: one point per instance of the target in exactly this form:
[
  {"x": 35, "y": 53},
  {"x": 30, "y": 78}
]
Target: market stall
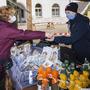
[{"x": 41, "y": 69}]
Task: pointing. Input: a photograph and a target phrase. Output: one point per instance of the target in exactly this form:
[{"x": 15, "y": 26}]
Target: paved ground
[
  {"x": 61, "y": 28},
  {"x": 55, "y": 28}
]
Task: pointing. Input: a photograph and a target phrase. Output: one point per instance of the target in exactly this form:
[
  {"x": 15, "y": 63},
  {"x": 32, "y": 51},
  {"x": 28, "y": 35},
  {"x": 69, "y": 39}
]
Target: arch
[{"x": 38, "y": 5}]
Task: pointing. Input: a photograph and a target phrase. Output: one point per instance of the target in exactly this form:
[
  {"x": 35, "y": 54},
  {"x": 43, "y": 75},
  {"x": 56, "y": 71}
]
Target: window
[
  {"x": 55, "y": 10},
  {"x": 21, "y": 14},
  {"x": 11, "y": 3},
  {"x": 38, "y": 10}
]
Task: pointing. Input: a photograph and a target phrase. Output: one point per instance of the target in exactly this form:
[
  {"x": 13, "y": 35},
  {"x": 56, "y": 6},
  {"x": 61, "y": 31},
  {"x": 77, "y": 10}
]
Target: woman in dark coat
[{"x": 80, "y": 34}]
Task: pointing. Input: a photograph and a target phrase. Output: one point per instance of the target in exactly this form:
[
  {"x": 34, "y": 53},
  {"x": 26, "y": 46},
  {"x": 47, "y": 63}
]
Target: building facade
[
  {"x": 42, "y": 11},
  {"x": 36, "y": 14}
]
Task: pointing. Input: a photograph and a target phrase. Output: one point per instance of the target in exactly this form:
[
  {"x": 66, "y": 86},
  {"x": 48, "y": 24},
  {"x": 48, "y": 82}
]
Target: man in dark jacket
[
  {"x": 8, "y": 35},
  {"x": 80, "y": 33}
]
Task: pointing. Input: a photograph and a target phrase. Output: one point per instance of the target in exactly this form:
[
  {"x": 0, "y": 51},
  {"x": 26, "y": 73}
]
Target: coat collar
[{"x": 78, "y": 18}]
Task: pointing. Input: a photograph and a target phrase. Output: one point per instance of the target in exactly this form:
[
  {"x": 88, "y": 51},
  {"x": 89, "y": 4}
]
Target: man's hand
[
  {"x": 48, "y": 35},
  {"x": 50, "y": 39}
]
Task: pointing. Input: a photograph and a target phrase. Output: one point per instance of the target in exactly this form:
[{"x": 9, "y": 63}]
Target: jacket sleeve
[
  {"x": 17, "y": 34},
  {"x": 79, "y": 31}
]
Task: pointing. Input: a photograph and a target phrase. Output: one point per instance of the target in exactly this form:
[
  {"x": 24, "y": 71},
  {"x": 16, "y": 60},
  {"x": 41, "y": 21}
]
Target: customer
[
  {"x": 8, "y": 35},
  {"x": 80, "y": 34}
]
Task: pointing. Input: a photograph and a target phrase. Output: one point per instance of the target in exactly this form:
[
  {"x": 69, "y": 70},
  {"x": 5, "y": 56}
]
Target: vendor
[
  {"x": 80, "y": 34},
  {"x": 8, "y": 35}
]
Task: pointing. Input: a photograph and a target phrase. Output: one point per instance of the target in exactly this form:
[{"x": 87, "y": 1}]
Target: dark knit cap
[{"x": 72, "y": 7}]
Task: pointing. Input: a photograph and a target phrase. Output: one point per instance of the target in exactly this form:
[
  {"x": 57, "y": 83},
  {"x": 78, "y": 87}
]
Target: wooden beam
[{"x": 29, "y": 15}]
